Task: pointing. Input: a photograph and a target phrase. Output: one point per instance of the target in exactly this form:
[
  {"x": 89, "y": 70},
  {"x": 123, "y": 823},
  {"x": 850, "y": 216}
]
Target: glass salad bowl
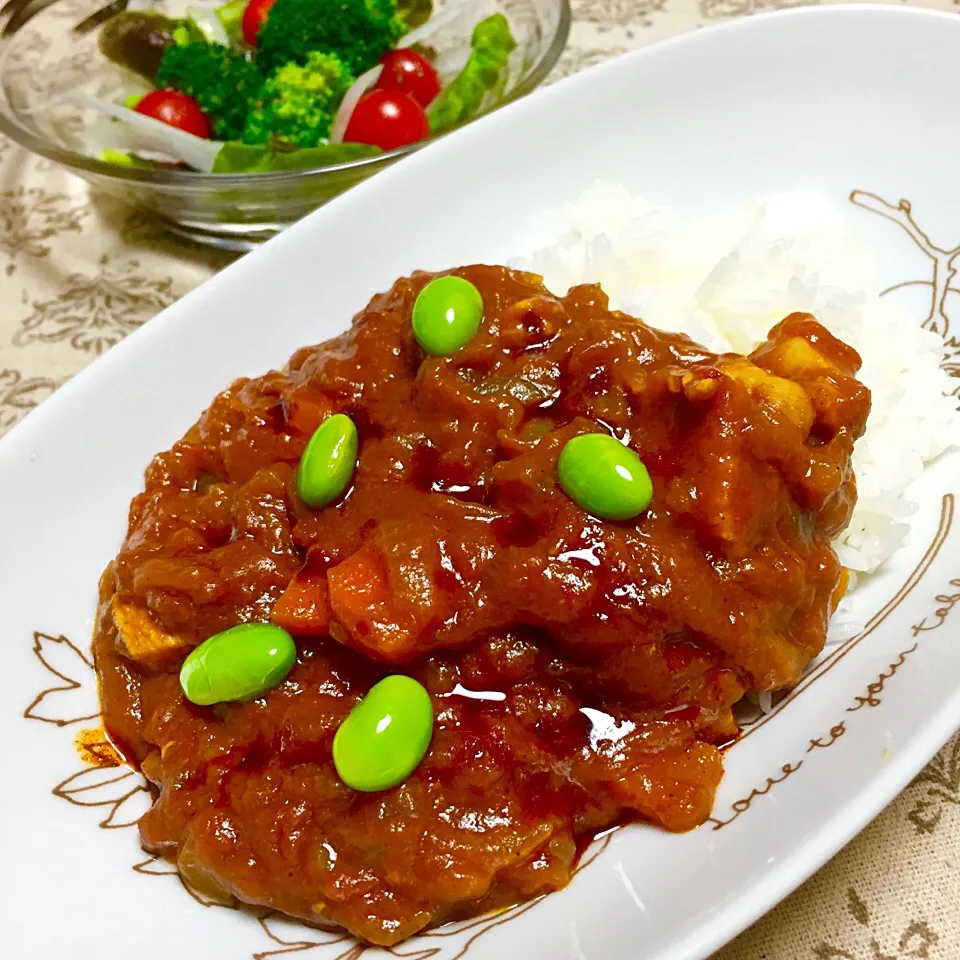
[{"x": 49, "y": 51}]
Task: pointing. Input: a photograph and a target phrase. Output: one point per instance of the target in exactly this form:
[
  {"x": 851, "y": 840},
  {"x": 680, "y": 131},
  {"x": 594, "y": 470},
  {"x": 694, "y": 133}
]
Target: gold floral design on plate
[
  {"x": 871, "y": 695},
  {"x": 943, "y": 271},
  {"x": 754, "y": 718},
  {"x": 72, "y": 697},
  {"x": 292, "y": 936},
  {"x": 121, "y": 795},
  {"x": 100, "y": 310}
]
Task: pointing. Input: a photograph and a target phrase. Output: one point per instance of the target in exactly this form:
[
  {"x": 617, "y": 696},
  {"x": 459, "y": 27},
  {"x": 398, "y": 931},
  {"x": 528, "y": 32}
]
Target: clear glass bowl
[{"x": 42, "y": 56}]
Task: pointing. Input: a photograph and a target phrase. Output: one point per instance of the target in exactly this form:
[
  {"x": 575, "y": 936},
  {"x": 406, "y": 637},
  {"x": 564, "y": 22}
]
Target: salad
[{"x": 265, "y": 85}]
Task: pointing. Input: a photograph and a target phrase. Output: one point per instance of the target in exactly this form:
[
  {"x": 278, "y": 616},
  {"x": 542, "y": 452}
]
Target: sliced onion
[
  {"x": 451, "y": 12},
  {"x": 154, "y": 135},
  {"x": 208, "y": 23},
  {"x": 449, "y": 63},
  {"x": 117, "y": 83},
  {"x": 350, "y": 100},
  {"x": 107, "y": 134}
]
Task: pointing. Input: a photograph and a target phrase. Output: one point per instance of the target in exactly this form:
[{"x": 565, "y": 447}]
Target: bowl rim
[{"x": 189, "y": 178}]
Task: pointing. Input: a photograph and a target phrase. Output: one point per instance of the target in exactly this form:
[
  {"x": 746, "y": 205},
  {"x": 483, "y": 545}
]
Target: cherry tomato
[
  {"x": 176, "y": 110},
  {"x": 254, "y": 15},
  {"x": 407, "y": 71},
  {"x": 387, "y": 119}
]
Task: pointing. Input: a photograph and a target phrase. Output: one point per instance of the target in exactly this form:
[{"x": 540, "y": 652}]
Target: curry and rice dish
[{"x": 571, "y": 541}]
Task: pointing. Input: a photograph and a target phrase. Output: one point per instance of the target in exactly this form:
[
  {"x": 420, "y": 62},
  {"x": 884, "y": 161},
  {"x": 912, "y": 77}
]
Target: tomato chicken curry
[{"x": 565, "y": 641}]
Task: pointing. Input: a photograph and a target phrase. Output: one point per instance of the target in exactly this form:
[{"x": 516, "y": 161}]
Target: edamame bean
[
  {"x": 328, "y": 461},
  {"x": 385, "y": 736},
  {"x": 604, "y": 477},
  {"x": 447, "y": 315},
  {"x": 239, "y": 664}
]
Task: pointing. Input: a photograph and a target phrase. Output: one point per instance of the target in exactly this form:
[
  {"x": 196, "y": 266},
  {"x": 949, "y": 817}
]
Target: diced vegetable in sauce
[{"x": 395, "y": 631}]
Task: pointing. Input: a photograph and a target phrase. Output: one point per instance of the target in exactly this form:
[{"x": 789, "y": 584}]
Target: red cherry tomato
[
  {"x": 407, "y": 71},
  {"x": 387, "y": 119},
  {"x": 254, "y": 15},
  {"x": 176, "y": 110}
]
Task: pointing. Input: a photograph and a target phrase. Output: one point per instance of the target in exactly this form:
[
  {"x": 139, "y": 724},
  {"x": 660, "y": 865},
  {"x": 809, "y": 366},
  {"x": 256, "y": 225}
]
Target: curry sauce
[{"x": 582, "y": 672}]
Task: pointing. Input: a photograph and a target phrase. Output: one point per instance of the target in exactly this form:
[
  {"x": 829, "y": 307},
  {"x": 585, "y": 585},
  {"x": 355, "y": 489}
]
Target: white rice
[{"x": 726, "y": 282}]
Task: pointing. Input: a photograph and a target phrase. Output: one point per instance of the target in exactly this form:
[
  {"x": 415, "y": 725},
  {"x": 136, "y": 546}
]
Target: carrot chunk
[
  {"x": 356, "y": 585},
  {"x": 302, "y": 608},
  {"x": 305, "y": 413}
]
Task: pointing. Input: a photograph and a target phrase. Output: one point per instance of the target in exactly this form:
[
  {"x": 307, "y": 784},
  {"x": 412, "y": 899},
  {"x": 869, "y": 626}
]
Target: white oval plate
[{"x": 835, "y": 100}]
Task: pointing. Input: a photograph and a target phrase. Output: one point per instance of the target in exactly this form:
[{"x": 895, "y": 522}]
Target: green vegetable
[
  {"x": 221, "y": 80},
  {"x": 604, "y": 477},
  {"x": 137, "y": 40},
  {"x": 492, "y": 42},
  {"x": 359, "y": 32},
  {"x": 186, "y": 32},
  {"x": 121, "y": 159},
  {"x": 258, "y": 158},
  {"x": 133, "y": 101},
  {"x": 202, "y": 28},
  {"x": 239, "y": 664},
  {"x": 298, "y": 104},
  {"x": 230, "y": 16},
  {"x": 447, "y": 315},
  {"x": 385, "y": 736},
  {"x": 414, "y": 13},
  {"x": 328, "y": 462}
]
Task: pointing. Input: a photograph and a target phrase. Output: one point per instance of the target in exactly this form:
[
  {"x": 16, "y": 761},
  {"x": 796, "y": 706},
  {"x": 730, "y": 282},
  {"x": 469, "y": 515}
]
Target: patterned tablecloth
[{"x": 80, "y": 272}]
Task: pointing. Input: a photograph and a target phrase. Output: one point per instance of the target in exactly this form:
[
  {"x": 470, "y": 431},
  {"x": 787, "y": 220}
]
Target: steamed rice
[{"x": 726, "y": 282}]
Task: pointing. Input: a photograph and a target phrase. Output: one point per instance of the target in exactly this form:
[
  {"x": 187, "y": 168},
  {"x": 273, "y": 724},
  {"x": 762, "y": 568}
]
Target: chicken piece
[
  {"x": 582, "y": 671},
  {"x": 786, "y": 399},
  {"x": 823, "y": 366},
  {"x": 141, "y": 637}
]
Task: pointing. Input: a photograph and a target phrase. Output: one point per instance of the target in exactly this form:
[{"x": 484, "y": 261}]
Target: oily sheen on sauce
[{"x": 456, "y": 558}]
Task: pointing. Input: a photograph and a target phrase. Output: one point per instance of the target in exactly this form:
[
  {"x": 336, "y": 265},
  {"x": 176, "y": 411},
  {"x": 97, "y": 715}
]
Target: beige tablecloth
[{"x": 79, "y": 273}]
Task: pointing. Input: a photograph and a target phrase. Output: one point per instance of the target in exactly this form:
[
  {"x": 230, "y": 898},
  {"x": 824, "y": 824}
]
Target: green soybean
[
  {"x": 239, "y": 664},
  {"x": 385, "y": 736},
  {"x": 328, "y": 462},
  {"x": 447, "y": 315},
  {"x": 604, "y": 477}
]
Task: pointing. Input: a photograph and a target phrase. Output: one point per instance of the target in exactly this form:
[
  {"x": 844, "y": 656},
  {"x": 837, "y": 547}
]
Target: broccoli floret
[
  {"x": 297, "y": 104},
  {"x": 359, "y": 32},
  {"x": 221, "y": 80}
]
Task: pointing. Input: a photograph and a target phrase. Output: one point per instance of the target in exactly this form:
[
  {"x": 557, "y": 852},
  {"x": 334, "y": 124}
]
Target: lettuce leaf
[
  {"x": 230, "y": 16},
  {"x": 414, "y": 13},
  {"x": 246, "y": 158},
  {"x": 491, "y": 43},
  {"x": 121, "y": 159}
]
